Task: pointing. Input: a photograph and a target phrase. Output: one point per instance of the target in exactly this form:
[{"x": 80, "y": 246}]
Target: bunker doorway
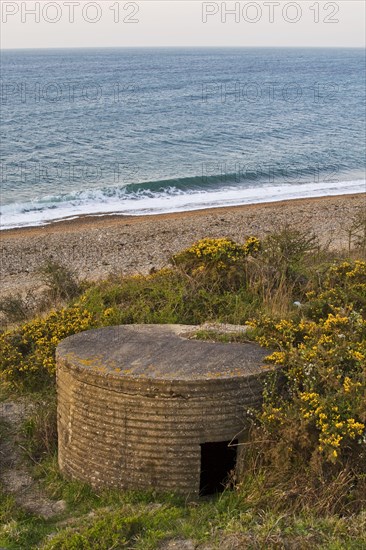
[{"x": 217, "y": 462}]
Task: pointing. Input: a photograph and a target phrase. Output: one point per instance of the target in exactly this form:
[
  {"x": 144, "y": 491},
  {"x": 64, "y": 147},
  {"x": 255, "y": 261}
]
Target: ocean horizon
[{"x": 154, "y": 130}]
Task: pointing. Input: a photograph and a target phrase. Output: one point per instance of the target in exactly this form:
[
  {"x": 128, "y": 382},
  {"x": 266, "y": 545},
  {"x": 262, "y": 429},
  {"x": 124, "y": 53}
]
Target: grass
[
  {"x": 289, "y": 493},
  {"x": 143, "y": 521}
]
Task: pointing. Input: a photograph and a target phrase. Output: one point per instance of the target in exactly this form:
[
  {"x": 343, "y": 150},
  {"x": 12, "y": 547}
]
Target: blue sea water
[{"x": 144, "y": 131}]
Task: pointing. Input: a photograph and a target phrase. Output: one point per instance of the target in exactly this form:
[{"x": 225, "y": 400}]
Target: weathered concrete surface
[{"x": 135, "y": 402}]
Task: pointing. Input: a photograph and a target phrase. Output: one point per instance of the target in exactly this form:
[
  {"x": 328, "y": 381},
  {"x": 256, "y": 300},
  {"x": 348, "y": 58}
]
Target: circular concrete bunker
[{"x": 144, "y": 407}]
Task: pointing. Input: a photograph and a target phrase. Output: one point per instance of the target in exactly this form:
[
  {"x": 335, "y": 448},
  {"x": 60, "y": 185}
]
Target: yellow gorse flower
[{"x": 32, "y": 348}]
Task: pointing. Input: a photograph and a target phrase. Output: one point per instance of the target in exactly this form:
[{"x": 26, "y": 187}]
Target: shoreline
[
  {"x": 97, "y": 246},
  {"x": 76, "y": 222}
]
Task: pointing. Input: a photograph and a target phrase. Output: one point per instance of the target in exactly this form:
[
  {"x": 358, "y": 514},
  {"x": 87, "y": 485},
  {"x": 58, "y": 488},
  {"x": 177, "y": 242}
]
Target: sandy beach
[{"x": 95, "y": 247}]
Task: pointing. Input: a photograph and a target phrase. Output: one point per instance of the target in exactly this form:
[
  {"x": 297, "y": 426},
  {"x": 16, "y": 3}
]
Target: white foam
[{"x": 98, "y": 203}]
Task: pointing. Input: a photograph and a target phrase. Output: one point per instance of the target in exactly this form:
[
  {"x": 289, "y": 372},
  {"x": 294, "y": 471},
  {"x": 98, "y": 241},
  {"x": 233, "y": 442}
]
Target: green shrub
[
  {"x": 357, "y": 232},
  {"x": 15, "y": 308},
  {"x": 281, "y": 271},
  {"x": 61, "y": 281}
]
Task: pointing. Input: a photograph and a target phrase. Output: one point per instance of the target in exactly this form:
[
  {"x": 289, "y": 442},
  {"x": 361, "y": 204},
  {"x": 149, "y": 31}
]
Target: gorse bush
[
  {"x": 314, "y": 411},
  {"x": 217, "y": 264},
  {"x": 27, "y": 354},
  {"x": 323, "y": 378},
  {"x": 215, "y": 253},
  {"x": 340, "y": 285}
]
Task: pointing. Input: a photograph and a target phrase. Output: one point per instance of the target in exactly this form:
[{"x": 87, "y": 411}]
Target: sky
[{"x": 150, "y": 23}]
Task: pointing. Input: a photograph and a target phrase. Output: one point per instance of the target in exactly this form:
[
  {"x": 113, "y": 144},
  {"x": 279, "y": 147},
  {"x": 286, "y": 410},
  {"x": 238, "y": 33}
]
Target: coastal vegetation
[{"x": 302, "y": 479}]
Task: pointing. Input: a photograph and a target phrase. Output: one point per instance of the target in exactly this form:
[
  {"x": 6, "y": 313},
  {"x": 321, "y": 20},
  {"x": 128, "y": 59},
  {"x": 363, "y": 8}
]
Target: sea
[{"x": 148, "y": 131}]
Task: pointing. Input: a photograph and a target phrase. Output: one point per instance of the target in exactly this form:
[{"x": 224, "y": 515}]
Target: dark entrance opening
[{"x": 217, "y": 461}]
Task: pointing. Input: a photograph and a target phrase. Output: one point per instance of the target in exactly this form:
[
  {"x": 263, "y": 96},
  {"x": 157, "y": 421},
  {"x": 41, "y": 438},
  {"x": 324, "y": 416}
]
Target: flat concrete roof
[{"x": 160, "y": 352}]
